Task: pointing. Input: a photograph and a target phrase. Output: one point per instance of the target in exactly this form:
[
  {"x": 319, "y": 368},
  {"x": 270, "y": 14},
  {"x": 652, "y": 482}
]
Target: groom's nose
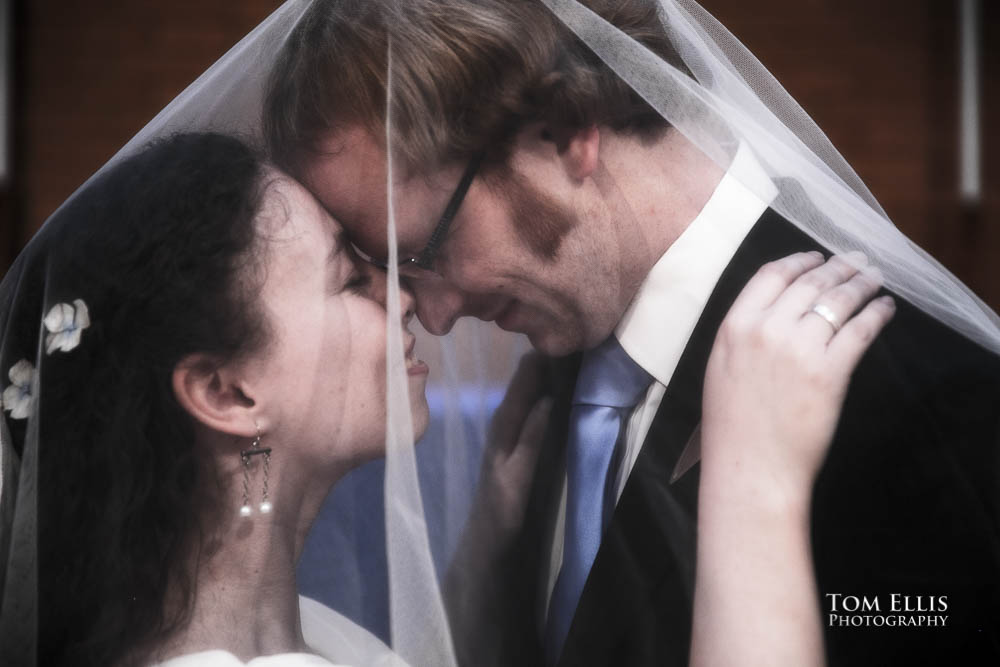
[{"x": 438, "y": 304}]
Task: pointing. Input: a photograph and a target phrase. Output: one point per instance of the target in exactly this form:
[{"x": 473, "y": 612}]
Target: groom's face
[{"x": 509, "y": 254}]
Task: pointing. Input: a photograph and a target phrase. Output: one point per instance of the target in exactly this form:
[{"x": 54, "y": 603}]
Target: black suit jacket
[{"x": 907, "y": 503}]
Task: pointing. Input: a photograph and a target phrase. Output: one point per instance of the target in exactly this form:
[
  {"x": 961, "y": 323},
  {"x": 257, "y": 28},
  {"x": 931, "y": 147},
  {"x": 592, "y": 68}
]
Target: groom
[{"x": 536, "y": 190}]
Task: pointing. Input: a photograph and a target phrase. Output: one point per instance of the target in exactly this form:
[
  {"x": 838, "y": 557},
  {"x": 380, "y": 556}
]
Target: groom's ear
[
  {"x": 214, "y": 395},
  {"x": 578, "y": 149}
]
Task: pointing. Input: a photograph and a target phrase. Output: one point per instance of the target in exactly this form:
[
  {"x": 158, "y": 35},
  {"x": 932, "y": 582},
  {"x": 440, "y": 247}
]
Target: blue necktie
[{"x": 608, "y": 387}]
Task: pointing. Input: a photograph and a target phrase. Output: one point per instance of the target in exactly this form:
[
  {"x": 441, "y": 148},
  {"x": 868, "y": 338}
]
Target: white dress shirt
[{"x": 658, "y": 323}]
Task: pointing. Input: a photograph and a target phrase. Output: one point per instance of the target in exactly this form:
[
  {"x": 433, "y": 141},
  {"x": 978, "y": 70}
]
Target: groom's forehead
[{"x": 349, "y": 176}]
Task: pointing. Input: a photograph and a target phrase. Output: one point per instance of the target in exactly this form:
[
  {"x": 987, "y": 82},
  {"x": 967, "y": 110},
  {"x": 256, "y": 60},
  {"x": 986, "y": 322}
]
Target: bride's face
[{"x": 323, "y": 373}]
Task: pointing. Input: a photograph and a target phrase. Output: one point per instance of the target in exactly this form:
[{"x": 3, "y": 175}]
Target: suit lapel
[{"x": 649, "y": 547}]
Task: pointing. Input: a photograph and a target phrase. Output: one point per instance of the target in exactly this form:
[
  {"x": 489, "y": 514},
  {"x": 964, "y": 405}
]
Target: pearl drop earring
[{"x": 246, "y": 456}]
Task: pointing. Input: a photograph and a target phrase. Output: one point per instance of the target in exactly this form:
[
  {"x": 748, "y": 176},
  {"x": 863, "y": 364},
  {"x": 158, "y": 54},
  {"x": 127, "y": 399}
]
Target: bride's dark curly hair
[{"x": 163, "y": 251}]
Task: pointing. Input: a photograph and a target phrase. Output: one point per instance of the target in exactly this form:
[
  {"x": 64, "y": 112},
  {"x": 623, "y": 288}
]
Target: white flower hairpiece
[
  {"x": 17, "y": 398},
  {"x": 65, "y": 323}
]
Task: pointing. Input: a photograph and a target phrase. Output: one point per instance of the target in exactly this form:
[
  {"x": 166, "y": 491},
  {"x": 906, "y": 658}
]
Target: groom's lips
[
  {"x": 499, "y": 309},
  {"x": 505, "y": 318}
]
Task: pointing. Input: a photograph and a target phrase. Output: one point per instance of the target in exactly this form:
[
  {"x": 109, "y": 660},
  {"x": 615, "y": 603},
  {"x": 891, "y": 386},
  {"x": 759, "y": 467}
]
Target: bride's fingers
[
  {"x": 833, "y": 308},
  {"x": 804, "y": 292},
  {"x": 529, "y": 441},
  {"x": 525, "y": 388},
  {"x": 850, "y": 343},
  {"x": 771, "y": 280}
]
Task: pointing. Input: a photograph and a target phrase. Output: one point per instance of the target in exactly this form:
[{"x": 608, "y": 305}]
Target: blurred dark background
[{"x": 882, "y": 77}]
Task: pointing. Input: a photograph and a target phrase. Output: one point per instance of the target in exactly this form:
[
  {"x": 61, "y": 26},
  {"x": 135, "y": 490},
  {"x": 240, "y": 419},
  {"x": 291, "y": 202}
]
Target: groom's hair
[{"x": 466, "y": 76}]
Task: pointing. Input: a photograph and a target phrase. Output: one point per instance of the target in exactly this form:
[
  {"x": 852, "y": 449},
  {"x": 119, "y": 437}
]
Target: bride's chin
[
  {"x": 420, "y": 413},
  {"x": 419, "y": 410}
]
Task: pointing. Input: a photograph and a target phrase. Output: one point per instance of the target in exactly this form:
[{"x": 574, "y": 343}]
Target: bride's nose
[
  {"x": 377, "y": 286},
  {"x": 406, "y": 302},
  {"x": 379, "y": 291}
]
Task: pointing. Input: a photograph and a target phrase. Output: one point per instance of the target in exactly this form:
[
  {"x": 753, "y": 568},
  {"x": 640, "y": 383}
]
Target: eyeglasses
[{"x": 422, "y": 265}]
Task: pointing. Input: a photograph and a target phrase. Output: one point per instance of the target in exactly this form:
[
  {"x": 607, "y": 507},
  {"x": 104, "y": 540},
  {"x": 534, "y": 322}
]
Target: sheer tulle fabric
[{"x": 386, "y": 537}]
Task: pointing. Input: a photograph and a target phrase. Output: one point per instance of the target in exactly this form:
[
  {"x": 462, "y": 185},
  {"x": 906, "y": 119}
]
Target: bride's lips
[{"x": 414, "y": 366}]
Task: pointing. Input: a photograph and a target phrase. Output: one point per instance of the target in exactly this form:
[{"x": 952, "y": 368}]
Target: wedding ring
[{"x": 826, "y": 314}]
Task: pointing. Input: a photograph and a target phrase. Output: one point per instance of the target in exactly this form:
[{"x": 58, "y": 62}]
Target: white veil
[
  {"x": 388, "y": 577},
  {"x": 730, "y": 100}
]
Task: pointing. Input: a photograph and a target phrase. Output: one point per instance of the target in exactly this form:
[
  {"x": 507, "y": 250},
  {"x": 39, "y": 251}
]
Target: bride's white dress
[{"x": 336, "y": 640}]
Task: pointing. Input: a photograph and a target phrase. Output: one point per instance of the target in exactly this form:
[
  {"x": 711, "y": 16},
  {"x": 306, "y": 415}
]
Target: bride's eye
[{"x": 358, "y": 283}]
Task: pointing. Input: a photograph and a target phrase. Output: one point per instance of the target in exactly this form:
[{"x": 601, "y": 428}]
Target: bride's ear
[{"x": 214, "y": 395}]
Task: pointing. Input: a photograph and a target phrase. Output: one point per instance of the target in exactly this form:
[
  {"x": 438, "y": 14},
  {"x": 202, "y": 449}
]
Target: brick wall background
[{"x": 880, "y": 77}]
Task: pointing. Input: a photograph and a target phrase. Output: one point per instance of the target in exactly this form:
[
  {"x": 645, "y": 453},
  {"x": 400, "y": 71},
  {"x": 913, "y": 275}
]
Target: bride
[
  {"x": 199, "y": 356},
  {"x": 211, "y": 360}
]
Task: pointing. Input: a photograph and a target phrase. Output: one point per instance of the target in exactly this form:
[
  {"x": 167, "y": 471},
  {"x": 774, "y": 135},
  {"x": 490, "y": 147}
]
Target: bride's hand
[
  {"x": 473, "y": 581},
  {"x": 514, "y": 442},
  {"x": 774, "y": 387},
  {"x": 780, "y": 366}
]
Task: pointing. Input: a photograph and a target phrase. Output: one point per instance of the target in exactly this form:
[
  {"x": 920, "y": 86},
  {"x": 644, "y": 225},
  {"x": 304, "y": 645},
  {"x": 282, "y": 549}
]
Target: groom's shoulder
[{"x": 921, "y": 343}]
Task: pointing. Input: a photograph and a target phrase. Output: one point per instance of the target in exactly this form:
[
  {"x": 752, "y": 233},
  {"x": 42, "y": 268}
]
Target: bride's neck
[{"x": 245, "y": 599}]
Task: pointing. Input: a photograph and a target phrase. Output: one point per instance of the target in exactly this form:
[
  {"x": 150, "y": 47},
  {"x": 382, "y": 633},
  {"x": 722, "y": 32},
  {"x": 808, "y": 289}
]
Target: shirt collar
[{"x": 657, "y": 324}]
